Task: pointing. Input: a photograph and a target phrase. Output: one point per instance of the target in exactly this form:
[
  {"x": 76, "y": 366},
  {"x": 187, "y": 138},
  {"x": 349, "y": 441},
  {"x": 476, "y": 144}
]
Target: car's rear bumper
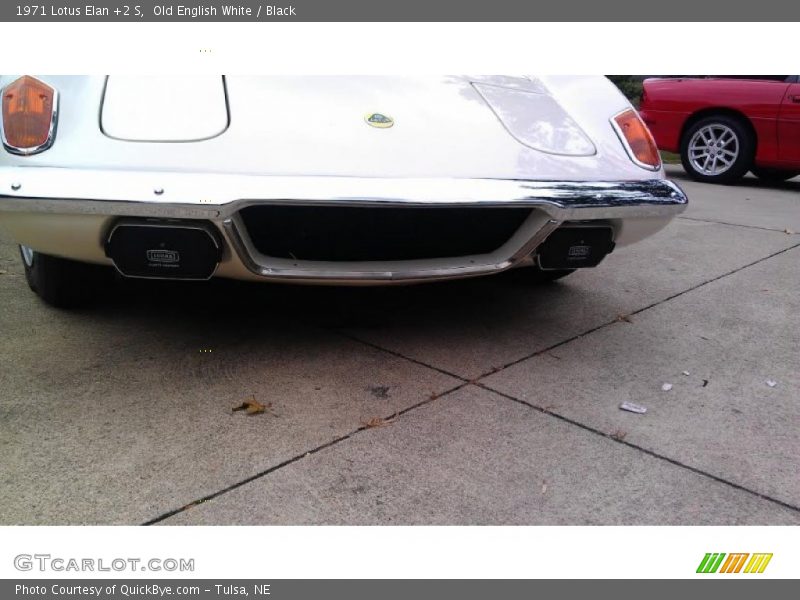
[{"x": 104, "y": 196}]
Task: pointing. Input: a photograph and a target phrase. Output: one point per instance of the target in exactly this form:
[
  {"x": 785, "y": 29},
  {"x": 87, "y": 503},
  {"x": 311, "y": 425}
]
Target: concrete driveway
[{"x": 488, "y": 401}]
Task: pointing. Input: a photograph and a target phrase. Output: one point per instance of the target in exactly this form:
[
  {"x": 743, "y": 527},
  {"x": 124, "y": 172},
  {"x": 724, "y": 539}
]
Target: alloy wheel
[{"x": 713, "y": 149}]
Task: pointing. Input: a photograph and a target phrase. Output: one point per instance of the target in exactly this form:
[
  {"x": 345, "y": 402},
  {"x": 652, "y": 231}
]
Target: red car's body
[{"x": 770, "y": 107}]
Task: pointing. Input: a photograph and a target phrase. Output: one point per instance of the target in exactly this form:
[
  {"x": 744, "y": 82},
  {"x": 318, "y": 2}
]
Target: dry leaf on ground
[
  {"x": 379, "y": 421},
  {"x": 253, "y": 407}
]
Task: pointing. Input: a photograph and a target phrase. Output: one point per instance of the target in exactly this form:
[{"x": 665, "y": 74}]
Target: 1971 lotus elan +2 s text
[{"x": 324, "y": 180}]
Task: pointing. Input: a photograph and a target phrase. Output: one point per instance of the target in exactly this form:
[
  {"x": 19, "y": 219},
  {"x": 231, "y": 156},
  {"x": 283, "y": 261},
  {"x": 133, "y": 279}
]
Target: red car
[{"x": 723, "y": 127}]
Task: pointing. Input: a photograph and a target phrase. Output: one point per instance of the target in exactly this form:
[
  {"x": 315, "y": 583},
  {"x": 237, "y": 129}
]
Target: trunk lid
[{"x": 164, "y": 108}]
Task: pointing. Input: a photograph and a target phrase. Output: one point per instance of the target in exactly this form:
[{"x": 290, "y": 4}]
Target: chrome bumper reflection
[{"x": 218, "y": 198}]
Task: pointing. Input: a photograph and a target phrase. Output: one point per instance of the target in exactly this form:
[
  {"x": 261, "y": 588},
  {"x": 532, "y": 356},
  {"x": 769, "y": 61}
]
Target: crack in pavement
[
  {"x": 635, "y": 312},
  {"x": 783, "y": 231},
  {"x": 476, "y": 382},
  {"x": 293, "y": 459},
  {"x": 354, "y": 338},
  {"x": 647, "y": 451}
]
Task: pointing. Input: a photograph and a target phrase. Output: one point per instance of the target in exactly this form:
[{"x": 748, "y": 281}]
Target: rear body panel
[
  {"x": 314, "y": 126},
  {"x": 521, "y": 159}
]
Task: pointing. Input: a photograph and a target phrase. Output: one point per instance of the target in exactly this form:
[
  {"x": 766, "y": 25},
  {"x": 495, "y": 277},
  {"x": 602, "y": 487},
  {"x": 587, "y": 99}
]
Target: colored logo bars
[{"x": 734, "y": 562}]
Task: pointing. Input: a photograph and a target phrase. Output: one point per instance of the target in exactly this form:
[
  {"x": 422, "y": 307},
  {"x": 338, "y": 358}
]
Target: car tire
[
  {"x": 773, "y": 175},
  {"x": 717, "y": 149},
  {"x": 60, "y": 282},
  {"x": 540, "y": 276}
]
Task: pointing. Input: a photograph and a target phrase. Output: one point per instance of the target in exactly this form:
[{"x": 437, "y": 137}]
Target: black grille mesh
[{"x": 336, "y": 233}]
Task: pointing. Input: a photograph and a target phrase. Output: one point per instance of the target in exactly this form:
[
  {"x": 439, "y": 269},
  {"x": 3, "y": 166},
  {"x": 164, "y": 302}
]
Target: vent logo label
[
  {"x": 163, "y": 256},
  {"x": 579, "y": 252}
]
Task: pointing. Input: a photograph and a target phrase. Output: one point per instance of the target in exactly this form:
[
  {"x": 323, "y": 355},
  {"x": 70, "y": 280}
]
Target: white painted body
[{"x": 312, "y": 126}]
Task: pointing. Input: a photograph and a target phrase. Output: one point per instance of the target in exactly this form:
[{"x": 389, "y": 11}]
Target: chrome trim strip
[
  {"x": 51, "y": 134},
  {"x": 201, "y": 195}
]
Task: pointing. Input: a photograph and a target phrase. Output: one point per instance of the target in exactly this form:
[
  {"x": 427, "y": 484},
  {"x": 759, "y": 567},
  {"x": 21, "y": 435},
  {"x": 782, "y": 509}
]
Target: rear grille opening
[{"x": 338, "y": 233}]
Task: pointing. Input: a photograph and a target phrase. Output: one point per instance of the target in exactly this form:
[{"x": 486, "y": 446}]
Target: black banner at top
[{"x": 400, "y": 10}]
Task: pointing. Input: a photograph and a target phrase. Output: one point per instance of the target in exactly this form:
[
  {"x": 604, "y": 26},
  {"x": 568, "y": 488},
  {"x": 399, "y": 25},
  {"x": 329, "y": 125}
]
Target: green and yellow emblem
[{"x": 379, "y": 120}]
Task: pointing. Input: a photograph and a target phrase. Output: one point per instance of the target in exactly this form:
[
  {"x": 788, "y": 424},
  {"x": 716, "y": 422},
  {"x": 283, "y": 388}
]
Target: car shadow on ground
[{"x": 227, "y": 308}]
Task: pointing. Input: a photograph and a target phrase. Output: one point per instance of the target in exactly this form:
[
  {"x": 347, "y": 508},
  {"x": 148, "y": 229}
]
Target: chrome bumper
[{"x": 219, "y": 198}]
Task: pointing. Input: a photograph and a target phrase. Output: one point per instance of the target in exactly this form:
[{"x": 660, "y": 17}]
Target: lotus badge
[
  {"x": 378, "y": 120},
  {"x": 163, "y": 256}
]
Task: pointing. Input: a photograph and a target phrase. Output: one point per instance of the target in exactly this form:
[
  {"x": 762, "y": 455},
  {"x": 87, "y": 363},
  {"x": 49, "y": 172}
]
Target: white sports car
[{"x": 327, "y": 180}]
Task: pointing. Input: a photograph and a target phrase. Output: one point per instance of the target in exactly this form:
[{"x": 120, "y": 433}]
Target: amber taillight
[
  {"x": 29, "y": 115},
  {"x": 637, "y": 139}
]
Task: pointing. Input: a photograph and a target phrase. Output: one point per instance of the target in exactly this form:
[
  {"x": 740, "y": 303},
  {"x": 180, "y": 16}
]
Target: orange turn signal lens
[
  {"x": 637, "y": 139},
  {"x": 29, "y": 116}
]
